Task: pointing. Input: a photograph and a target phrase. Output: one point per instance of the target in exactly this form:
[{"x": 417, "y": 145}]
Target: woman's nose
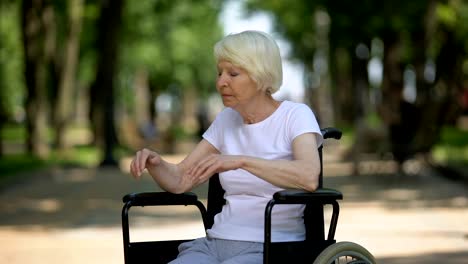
[{"x": 221, "y": 80}]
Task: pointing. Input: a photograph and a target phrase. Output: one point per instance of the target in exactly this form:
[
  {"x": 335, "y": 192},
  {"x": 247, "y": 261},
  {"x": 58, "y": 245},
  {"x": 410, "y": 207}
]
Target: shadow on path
[
  {"x": 76, "y": 197},
  {"x": 429, "y": 258},
  {"x": 386, "y": 214}
]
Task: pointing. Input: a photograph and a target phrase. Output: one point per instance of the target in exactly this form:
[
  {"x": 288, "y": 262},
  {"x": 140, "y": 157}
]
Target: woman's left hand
[{"x": 214, "y": 163}]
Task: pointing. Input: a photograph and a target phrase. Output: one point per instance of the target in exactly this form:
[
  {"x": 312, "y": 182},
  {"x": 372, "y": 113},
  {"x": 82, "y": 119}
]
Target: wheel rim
[
  {"x": 345, "y": 253},
  {"x": 349, "y": 257}
]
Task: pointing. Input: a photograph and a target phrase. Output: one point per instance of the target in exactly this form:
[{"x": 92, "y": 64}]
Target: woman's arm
[
  {"x": 300, "y": 173},
  {"x": 172, "y": 177}
]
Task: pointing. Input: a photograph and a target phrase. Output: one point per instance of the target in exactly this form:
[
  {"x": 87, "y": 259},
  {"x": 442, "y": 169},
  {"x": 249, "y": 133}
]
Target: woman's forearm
[{"x": 296, "y": 174}]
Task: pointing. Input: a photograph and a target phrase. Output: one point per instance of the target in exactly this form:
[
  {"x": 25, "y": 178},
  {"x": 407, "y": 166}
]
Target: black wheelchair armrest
[
  {"x": 322, "y": 195},
  {"x": 331, "y": 132},
  {"x": 160, "y": 198}
]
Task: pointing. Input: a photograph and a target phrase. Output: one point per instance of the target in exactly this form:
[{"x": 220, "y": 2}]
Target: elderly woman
[{"x": 257, "y": 144}]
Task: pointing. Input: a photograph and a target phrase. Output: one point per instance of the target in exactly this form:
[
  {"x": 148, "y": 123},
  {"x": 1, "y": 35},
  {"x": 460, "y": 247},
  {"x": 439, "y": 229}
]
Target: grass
[
  {"x": 78, "y": 156},
  {"x": 13, "y": 133},
  {"x": 13, "y": 164},
  {"x": 452, "y": 148}
]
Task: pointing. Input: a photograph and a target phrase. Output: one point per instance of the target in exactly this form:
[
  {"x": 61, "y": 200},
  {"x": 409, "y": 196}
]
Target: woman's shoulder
[{"x": 291, "y": 106}]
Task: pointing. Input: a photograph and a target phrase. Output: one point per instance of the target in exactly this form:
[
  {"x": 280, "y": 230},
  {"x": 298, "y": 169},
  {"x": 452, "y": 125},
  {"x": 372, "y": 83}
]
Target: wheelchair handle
[{"x": 331, "y": 132}]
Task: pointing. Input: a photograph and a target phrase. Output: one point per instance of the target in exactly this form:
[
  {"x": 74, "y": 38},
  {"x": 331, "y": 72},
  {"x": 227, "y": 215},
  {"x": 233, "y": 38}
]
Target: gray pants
[{"x": 219, "y": 251}]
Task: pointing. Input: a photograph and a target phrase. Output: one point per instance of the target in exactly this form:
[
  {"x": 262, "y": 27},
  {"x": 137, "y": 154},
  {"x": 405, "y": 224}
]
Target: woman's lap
[{"x": 210, "y": 250}]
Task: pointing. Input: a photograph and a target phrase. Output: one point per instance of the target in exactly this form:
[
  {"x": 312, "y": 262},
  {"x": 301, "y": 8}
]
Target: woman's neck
[{"x": 258, "y": 109}]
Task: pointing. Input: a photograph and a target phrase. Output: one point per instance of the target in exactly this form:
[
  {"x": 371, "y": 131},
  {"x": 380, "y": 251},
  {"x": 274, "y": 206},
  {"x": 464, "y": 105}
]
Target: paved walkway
[{"x": 73, "y": 215}]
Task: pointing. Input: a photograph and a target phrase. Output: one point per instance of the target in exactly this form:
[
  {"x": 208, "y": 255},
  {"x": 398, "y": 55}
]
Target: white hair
[{"x": 257, "y": 53}]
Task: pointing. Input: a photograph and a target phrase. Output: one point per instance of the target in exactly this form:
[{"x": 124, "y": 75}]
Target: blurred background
[{"x": 86, "y": 83}]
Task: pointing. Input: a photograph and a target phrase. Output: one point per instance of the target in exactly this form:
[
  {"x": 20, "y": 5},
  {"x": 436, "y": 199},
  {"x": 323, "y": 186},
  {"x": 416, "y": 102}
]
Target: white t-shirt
[{"x": 242, "y": 217}]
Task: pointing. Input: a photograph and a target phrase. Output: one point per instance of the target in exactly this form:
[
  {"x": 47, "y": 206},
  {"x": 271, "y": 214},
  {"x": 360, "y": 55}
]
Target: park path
[{"x": 72, "y": 215}]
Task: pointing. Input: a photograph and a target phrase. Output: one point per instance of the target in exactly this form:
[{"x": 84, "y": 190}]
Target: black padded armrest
[
  {"x": 160, "y": 198},
  {"x": 331, "y": 132},
  {"x": 321, "y": 195}
]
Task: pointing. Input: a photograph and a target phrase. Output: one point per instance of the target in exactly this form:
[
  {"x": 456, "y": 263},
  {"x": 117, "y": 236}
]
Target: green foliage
[
  {"x": 13, "y": 133},
  {"x": 172, "y": 41},
  {"x": 452, "y": 147},
  {"x": 453, "y": 16},
  {"x": 294, "y": 20},
  {"x": 87, "y": 156},
  {"x": 87, "y": 60},
  {"x": 412, "y": 32},
  {"x": 179, "y": 133},
  {"x": 11, "y": 54},
  {"x": 11, "y": 165},
  {"x": 348, "y": 135},
  {"x": 454, "y": 136}
]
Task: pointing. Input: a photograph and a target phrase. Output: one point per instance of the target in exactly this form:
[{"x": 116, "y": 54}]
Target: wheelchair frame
[{"x": 274, "y": 252}]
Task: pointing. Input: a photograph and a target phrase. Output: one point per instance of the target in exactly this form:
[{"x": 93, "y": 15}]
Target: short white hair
[{"x": 257, "y": 53}]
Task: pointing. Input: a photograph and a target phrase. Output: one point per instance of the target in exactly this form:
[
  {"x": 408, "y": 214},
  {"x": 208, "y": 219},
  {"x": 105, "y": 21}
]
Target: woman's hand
[
  {"x": 144, "y": 159},
  {"x": 171, "y": 177},
  {"x": 214, "y": 163}
]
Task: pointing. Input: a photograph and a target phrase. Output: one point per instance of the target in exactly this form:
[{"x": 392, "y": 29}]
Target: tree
[
  {"x": 167, "y": 46},
  {"x": 102, "y": 90},
  {"x": 38, "y": 45},
  {"x": 419, "y": 35},
  {"x": 11, "y": 67},
  {"x": 68, "y": 75}
]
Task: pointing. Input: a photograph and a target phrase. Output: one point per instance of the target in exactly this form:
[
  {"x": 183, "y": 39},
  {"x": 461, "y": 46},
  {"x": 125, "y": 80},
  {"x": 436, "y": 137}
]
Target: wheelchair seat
[{"x": 316, "y": 248}]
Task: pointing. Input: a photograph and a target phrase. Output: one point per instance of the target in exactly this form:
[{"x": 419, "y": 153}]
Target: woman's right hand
[{"x": 143, "y": 159}]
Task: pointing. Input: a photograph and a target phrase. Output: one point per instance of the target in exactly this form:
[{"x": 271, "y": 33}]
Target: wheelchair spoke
[{"x": 346, "y": 253}]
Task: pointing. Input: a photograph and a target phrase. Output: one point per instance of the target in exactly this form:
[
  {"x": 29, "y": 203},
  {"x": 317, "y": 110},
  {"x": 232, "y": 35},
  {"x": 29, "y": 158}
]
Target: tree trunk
[
  {"x": 66, "y": 89},
  {"x": 343, "y": 92},
  {"x": 360, "y": 86},
  {"x": 322, "y": 69},
  {"x": 4, "y": 113},
  {"x": 143, "y": 102},
  {"x": 37, "y": 43},
  {"x": 102, "y": 90},
  {"x": 390, "y": 107}
]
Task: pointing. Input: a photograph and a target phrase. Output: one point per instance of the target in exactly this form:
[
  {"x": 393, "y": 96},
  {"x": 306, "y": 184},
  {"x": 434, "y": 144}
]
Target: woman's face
[{"x": 234, "y": 85}]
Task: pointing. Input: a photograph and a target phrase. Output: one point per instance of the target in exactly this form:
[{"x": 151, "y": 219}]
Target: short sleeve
[
  {"x": 214, "y": 132},
  {"x": 302, "y": 120}
]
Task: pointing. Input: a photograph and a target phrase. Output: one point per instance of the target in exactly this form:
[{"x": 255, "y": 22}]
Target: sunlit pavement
[{"x": 73, "y": 215}]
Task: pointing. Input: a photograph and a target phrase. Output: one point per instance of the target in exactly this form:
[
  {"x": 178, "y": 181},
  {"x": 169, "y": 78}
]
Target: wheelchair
[{"x": 315, "y": 249}]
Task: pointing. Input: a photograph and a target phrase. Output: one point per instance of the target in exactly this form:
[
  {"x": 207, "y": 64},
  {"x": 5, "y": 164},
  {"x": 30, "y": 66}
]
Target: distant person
[{"x": 257, "y": 144}]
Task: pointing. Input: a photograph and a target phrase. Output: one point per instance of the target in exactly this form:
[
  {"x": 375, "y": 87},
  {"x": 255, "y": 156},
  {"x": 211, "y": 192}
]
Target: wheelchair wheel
[{"x": 346, "y": 253}]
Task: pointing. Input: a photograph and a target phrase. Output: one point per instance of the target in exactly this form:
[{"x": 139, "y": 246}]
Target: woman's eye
[{"x": 233, "y": 74}]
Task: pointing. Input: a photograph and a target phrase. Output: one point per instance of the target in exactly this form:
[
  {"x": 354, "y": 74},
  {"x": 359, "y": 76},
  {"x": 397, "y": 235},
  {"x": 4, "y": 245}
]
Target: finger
[
  {"x": 203, "y": 165},
  {"x": 209, "y": 171},
  {"x": 142, "y": 157},
  {"x": 205, "y": 172},
  {"x": 136, "y": 163},
  {"x": 134, "y": 169}
]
